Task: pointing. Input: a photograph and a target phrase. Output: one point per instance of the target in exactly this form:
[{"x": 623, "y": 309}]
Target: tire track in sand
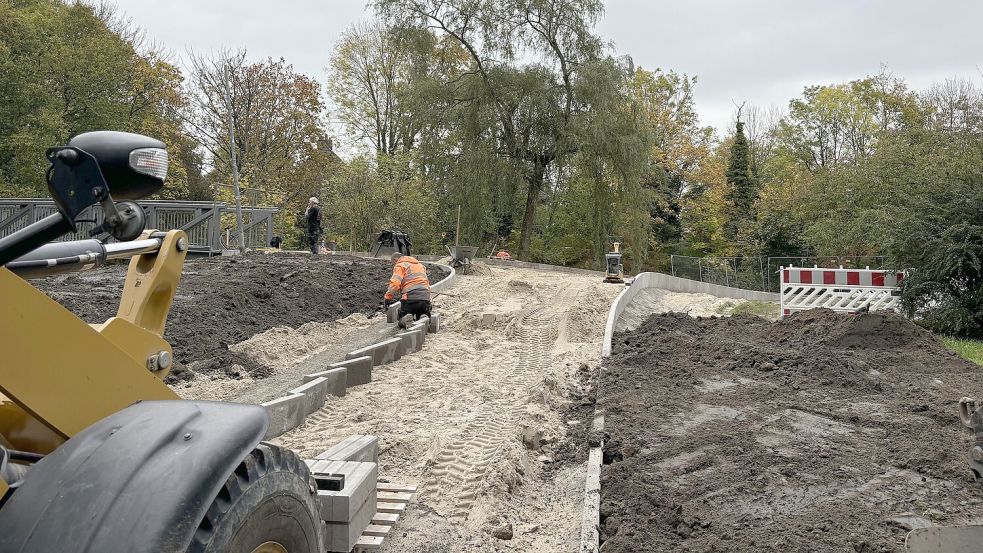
[{"x": 460, "y": 468}]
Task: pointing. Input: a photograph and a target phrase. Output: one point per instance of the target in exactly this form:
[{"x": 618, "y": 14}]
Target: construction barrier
[{"x": 842, "y": 290}]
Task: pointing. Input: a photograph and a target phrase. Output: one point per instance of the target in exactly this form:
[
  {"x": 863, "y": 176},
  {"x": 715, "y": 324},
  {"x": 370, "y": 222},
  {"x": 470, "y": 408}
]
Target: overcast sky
[{"x": 759, "y": 51}]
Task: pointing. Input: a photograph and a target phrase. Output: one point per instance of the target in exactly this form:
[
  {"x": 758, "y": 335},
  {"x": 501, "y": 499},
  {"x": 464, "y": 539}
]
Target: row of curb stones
[
  {"x": 346, "y": 513},
  {"x": 290, "y": 411}
]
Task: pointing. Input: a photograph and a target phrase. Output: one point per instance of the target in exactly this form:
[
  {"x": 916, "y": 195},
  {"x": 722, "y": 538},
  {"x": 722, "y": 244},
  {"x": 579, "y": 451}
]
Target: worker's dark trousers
[
  {"x": 312, "y": 238},
  {"x": 417, "y": 308}
]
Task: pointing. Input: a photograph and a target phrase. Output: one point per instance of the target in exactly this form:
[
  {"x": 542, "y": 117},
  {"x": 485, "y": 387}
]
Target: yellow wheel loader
[{"x": 97, "y": 454}]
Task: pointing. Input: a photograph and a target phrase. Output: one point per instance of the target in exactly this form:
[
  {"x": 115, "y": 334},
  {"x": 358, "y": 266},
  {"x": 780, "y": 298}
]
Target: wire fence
[{"x": 760, "y": 273}]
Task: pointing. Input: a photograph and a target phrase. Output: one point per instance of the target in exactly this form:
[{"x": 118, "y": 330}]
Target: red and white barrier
[{"x": 843, "y": 290}]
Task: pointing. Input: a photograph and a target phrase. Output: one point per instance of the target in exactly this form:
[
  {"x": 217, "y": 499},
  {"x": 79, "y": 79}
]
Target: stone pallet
[{"x": 397, "y": 497}]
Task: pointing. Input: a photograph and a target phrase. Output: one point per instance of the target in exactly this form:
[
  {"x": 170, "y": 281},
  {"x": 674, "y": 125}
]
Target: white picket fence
[{"x": 843, "y": 290}]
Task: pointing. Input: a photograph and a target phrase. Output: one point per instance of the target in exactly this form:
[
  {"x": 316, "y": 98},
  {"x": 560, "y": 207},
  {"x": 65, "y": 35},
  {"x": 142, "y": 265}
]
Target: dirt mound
[
  {"x": 224, "y": 300},
  {"x": 879, "y": 330},
  {"x": 821, "y": 432},
  {"x": 476, "y": 268}
]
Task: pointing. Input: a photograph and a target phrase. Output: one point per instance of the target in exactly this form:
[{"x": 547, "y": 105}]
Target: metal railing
[
  {"x": 202, "y": 221},
  {"x": 760, "y": 273}
]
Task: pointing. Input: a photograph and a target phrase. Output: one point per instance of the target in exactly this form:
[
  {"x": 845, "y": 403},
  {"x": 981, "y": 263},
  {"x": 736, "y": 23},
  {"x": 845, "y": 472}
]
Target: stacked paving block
[
  {"x": 353, "y": 448},
  {"x": 348, "y": 512}
]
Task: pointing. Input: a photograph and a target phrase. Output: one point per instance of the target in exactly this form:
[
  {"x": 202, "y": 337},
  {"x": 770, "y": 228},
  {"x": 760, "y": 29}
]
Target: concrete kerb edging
[
  {"x": 290, "y": 411},
  {"x": 286, "y": 413},
  {"x": 539, "y": 266},
  {"x": 590, "y": 524}
]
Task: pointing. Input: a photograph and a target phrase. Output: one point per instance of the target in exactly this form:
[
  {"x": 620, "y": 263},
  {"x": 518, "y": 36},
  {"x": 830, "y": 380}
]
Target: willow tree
[{"x": 522, "y": 95}]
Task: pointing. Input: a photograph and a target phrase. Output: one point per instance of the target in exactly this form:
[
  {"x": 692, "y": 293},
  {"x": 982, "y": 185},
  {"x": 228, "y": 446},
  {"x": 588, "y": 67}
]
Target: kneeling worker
[{"x": 410, "y": 286}]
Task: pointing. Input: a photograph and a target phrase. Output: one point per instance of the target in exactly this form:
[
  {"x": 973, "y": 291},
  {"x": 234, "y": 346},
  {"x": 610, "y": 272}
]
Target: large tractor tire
[{"x": 267, "y": 505}]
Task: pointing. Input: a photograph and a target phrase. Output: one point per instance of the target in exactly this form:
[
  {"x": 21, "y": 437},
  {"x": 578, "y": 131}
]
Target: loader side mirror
[
  {"x": 104, "y": 167},
  {"x": 133, "y": 165},
  {"x": 92, "y": 169}
]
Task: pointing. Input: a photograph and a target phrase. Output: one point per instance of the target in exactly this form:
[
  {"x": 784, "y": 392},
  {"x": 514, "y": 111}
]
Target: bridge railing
[{"x": 208, "y": 231}]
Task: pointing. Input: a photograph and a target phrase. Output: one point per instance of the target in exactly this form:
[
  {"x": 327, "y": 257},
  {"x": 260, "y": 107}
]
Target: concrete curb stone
[
  {"x": 337, "y": 380},
  {"x": 412, "y": 340},
  {"x": 359, "y": 369},
  {"x": 286, "y": 413},
  {"x": 314, "y": 392},
  {"x": 381, "y": 353},
  {"x": 357, "y": 447}
]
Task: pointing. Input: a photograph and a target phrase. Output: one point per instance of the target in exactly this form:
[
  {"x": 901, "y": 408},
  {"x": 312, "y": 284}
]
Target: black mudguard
[{"x": 138, "y": 480}]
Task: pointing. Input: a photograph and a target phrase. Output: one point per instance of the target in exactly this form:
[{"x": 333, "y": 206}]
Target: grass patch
[
  {"x": 764, "y": 309},
  {"x": 971, "y": 350}
]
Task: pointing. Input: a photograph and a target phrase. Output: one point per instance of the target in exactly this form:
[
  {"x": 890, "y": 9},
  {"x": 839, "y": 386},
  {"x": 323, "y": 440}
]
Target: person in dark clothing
[{"x": 313, "y": 216}]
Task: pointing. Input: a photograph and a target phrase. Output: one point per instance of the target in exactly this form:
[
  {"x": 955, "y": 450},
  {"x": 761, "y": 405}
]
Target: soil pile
[
  {"x": 224, "y": 300},
  {"x": 475, "y": 268},
  {"x": 821, "y": 432}
]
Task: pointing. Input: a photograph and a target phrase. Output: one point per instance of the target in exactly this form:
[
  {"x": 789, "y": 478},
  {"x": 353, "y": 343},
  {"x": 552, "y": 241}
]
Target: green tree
[
  {"x": 282, "y": 148},
  {"x": 679, "y": 145},
  {"x": 67, "y": 68},
  {"x": 379, "y": 77},
  {"x": 742, "y": 188},
  {"x": 532, "y": 114}
]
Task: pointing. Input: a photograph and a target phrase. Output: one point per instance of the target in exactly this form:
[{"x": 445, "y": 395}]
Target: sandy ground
[
  {"x": 477, "y": 419},
  {"x": 289, "y": 353},
  {"x": 655, "y": 300}
]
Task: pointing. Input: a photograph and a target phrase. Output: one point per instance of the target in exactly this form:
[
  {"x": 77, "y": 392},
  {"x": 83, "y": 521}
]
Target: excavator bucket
[{"x": 391, "y": 241}]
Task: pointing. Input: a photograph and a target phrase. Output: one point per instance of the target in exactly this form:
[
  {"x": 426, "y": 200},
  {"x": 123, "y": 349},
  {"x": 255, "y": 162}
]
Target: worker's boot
[{"x": 405, "y": 321}]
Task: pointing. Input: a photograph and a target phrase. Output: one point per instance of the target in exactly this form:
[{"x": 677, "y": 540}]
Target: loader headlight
[
  {"x": 133, "y": 165},
  {"x": 150, "y": 161}
]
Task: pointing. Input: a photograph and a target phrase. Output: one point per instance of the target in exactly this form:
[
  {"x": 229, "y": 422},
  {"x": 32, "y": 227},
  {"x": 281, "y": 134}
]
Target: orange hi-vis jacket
[{"x": 409, "y": 280}]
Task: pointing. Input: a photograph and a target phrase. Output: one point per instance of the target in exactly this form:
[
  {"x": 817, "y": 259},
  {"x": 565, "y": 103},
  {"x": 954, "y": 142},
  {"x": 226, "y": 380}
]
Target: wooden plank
[
  {"x": 377, "y": 530},
  {"x": 398, "y": 508},
  {"x": 385, "y": 519},
  {"x": 368, "y": 543},
  {"x": 394, "y": 497},
  {"x": 390, "y": 487}
]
